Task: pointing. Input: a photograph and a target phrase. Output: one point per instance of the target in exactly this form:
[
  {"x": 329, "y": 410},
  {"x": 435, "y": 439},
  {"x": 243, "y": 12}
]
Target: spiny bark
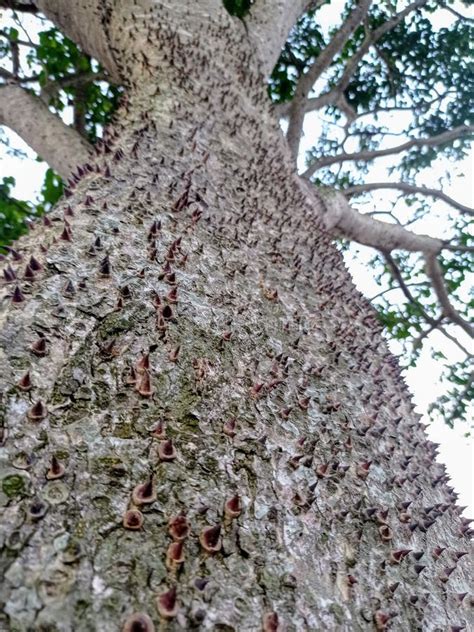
[{"x": 201, "y": 369}]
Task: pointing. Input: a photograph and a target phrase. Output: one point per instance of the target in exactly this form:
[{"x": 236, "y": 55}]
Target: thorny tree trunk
[{"x": 192, "y": 326}]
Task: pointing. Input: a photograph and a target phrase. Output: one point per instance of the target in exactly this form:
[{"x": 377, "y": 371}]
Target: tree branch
[
  {"x": 51, "y": 88},
  {"x": 371, "y": 39},
  {"x": 19, "y": 5},
  {"x": 458, "y": 15},
  {"x": 321, "y": 63},
  {"x": 269, "y": 23},
  {"x": 340, "y": 217},
  {"x": 434, "y": 272},
  {"x": 439, "y": 139},
  {"x": 59, "y": 145},
  {"x": 435, "y": 323},
  {"x": 408, "y": 188},
  {"x": 332, "y": 97},
  {"x": 84, "y": 23}
]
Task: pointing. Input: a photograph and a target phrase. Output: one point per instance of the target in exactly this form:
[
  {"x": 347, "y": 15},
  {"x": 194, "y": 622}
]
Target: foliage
[
  {"x": 416, "y": 81},
  {"x": 239, "y": 8},
  {"x": 13, "y": 213}
]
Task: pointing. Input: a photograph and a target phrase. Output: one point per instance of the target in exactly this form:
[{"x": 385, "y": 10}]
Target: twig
[
  {"x": 408, "y": 188},
  {"x": 439, "y": 139}
]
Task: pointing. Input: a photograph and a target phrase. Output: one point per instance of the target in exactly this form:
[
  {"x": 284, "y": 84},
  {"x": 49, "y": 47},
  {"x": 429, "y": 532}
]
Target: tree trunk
[{"x": 201, "y": 370}]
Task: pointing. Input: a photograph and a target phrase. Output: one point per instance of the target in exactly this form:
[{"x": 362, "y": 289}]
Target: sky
[{"x": 456, "y": 450}]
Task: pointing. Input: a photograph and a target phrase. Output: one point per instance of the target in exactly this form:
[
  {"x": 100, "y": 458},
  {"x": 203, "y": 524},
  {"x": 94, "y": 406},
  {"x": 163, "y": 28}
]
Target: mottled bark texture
[{"x": 203, "y": 428}]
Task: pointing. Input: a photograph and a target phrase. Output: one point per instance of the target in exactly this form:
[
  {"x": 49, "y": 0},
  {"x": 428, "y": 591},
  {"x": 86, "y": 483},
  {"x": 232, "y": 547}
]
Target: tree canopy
[{"x": 386, "y": 83}]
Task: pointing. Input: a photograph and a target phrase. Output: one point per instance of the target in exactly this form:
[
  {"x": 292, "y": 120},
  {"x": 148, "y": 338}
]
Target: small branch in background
[
  {"x": 435, "y": 323},
  {"x": 15, "y": 49},
  {"x": 457, "y": 14},
  {"x": 297, "y": 109},
  {"x": 432, "y": 141},
  {"x": 79, "y": 111},
  {"x": 417, "y": 342},
  {"x": 434, "y": 272},
  {"x": 19, "y": 5},
  {"x": 408, "y": 188}
]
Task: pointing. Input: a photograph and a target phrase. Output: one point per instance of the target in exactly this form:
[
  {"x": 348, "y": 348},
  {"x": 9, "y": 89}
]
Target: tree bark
[
  {"x": 60, "y": 145},
  {"x": 195, "y": 348}
]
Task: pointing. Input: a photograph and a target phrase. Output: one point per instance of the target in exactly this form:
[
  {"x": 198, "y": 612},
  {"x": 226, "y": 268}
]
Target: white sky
[{"x": 456, "y": 451}]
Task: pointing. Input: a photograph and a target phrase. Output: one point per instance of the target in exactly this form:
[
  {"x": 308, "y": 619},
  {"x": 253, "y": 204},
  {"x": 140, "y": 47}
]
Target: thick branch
[
  {"x": 269, "y": 23},
  {"x": 340, "y": 217},
  {"x": 408, "y": 188},
  {"x": 433, "y": 270},
  {"x": 85, "y": 23},
  {"x": 59, "y": 145},
  {"x": 439, "y": 139},
  {"x": 320, "y": 64}
]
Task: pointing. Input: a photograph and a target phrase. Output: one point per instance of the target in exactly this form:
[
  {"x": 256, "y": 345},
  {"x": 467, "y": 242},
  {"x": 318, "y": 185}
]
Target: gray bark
[
  {"x": 61, "y": 146},
  {"x": 250, "y": 345}
]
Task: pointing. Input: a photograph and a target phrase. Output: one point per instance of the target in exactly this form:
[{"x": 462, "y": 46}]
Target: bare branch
[
  {"x": 435, "y": 273},
  {"x": 408, "y": 188},
  {"x": 30, "y": 44},
  {"x": 435, "y": 323},
  {"x": 60, "y": 145},
  {"x": 19, "y": 5},
  {"x": 458, "y": 15},
  {"x": 439, "y": 139},
  {"x": 332, "y": 97},
  {"x": 340, "y": 217},
  {"x": 371, "y": 39},
  {"x": 269, "y": 23},
  {"x": 320, "y": 64},
  {"x": 418, "y": 341}
]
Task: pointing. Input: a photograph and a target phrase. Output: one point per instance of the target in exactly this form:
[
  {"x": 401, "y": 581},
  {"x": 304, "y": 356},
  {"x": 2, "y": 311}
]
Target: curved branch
[
  {"x": 340, "y": 217},
  {"x": 408, "y": 188},
  {"x": 320, "y": 64},
  {"x": 371, "y": 39},
  {"x": 439, "y": 139},
  {"x": 434, "y": 272},
  {"x": 435, "y": 323},
  {"x": 59, "y": 145}
]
